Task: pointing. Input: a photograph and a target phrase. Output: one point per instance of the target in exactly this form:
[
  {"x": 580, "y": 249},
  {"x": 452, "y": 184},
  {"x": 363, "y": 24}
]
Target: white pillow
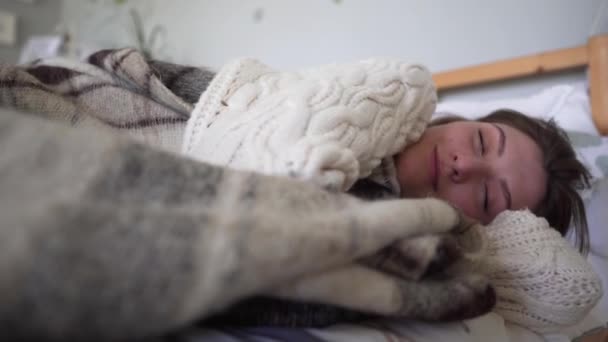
[
  {"x": 597, "y": 217},
  {"x": 592, "y": 151},
  {"x": 568, "y": 104}
]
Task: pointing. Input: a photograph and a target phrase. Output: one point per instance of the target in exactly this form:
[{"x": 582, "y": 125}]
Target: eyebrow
[
  {"x": 501, "y": 139},
  {"x": 506, "y": 192}
]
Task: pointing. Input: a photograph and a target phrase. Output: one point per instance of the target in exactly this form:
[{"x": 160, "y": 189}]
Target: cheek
[
  {"x": 463, "y": 198},
  {"x": 458, "y": 144}
]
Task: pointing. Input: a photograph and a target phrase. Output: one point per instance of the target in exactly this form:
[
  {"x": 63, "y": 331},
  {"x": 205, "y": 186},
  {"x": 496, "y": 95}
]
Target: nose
[{"x": 465, "y": 168}]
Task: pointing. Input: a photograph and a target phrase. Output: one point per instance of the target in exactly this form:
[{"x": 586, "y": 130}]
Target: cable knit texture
[
  {"x": 331, "y": 125},
  {"x": 541, "y": 281}
]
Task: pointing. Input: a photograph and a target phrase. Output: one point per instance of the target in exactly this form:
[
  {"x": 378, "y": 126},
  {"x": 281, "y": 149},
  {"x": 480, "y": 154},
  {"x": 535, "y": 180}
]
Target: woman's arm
[{"x": 329, "y": 125}]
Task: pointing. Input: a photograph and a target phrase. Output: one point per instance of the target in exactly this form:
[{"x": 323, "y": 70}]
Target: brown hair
[{"x": 562, "y": 204}]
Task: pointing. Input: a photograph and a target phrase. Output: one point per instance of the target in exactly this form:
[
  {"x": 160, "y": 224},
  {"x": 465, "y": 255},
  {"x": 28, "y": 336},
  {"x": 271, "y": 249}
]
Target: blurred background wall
[
  {"x": 33, "y": 18},
  {"x": 442, "y": 34}
]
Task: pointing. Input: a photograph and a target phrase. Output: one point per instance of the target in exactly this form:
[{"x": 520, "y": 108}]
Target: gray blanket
[
  {"x": 132, "y": 213},
  {"x": 118, "y": 91}
]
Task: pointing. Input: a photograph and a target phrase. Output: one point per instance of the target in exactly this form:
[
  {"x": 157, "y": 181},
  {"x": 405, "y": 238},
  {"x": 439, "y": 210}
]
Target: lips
[{"x": 435, "y": 169}]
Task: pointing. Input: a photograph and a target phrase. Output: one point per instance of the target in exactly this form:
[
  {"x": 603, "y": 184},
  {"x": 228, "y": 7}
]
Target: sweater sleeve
[
  {"x": 541, "y": 281},
  {"x": 330, "y": 125}
]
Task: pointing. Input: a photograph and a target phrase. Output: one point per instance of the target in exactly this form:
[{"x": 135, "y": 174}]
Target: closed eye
[
  {"x": 482, "y": 143},
  {"x": 485, "y": 198}
]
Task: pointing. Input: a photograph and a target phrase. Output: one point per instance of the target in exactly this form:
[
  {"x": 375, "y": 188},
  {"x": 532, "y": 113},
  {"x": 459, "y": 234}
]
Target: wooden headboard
[{"x": 593, "y": 55}]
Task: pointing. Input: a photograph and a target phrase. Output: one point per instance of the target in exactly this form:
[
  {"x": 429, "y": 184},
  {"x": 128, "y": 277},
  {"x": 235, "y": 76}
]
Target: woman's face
[{"x": 481, "y": 168}]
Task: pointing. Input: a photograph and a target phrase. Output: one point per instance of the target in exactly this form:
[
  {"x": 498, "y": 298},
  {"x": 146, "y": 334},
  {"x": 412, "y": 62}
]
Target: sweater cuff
[{"x": 541, "y": 281}]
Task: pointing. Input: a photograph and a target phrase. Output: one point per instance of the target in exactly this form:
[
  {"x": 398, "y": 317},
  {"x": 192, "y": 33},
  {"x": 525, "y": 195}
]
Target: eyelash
[
  {"x": 481, "y": 142},
  {"x": 485, "y": 198},
  {"x": 485, "y": 186}
]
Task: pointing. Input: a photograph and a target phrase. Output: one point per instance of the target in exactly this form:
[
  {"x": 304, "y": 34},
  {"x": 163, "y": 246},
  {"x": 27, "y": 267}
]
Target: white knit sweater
[
  {"x": 331, "y": 125},
  {"x": 541, "y": 281},
  {"x": 334, "y": 124}
]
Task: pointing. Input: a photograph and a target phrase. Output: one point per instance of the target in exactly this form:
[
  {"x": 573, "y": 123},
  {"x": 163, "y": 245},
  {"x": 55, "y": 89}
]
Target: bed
[{"x": 582, "y": 109}]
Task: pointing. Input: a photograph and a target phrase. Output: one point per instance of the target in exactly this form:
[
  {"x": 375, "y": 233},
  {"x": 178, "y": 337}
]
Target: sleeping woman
[
  {"x": 360, "y": 128},
  {"x": 504, "y": 161}
]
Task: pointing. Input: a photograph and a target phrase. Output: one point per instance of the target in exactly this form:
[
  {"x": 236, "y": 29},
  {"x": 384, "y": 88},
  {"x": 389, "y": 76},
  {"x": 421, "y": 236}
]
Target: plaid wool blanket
[{"x": 114, "y": 90}]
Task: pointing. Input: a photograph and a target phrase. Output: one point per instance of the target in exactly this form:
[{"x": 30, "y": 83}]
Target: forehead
[{"x": 522, "y": 167}]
